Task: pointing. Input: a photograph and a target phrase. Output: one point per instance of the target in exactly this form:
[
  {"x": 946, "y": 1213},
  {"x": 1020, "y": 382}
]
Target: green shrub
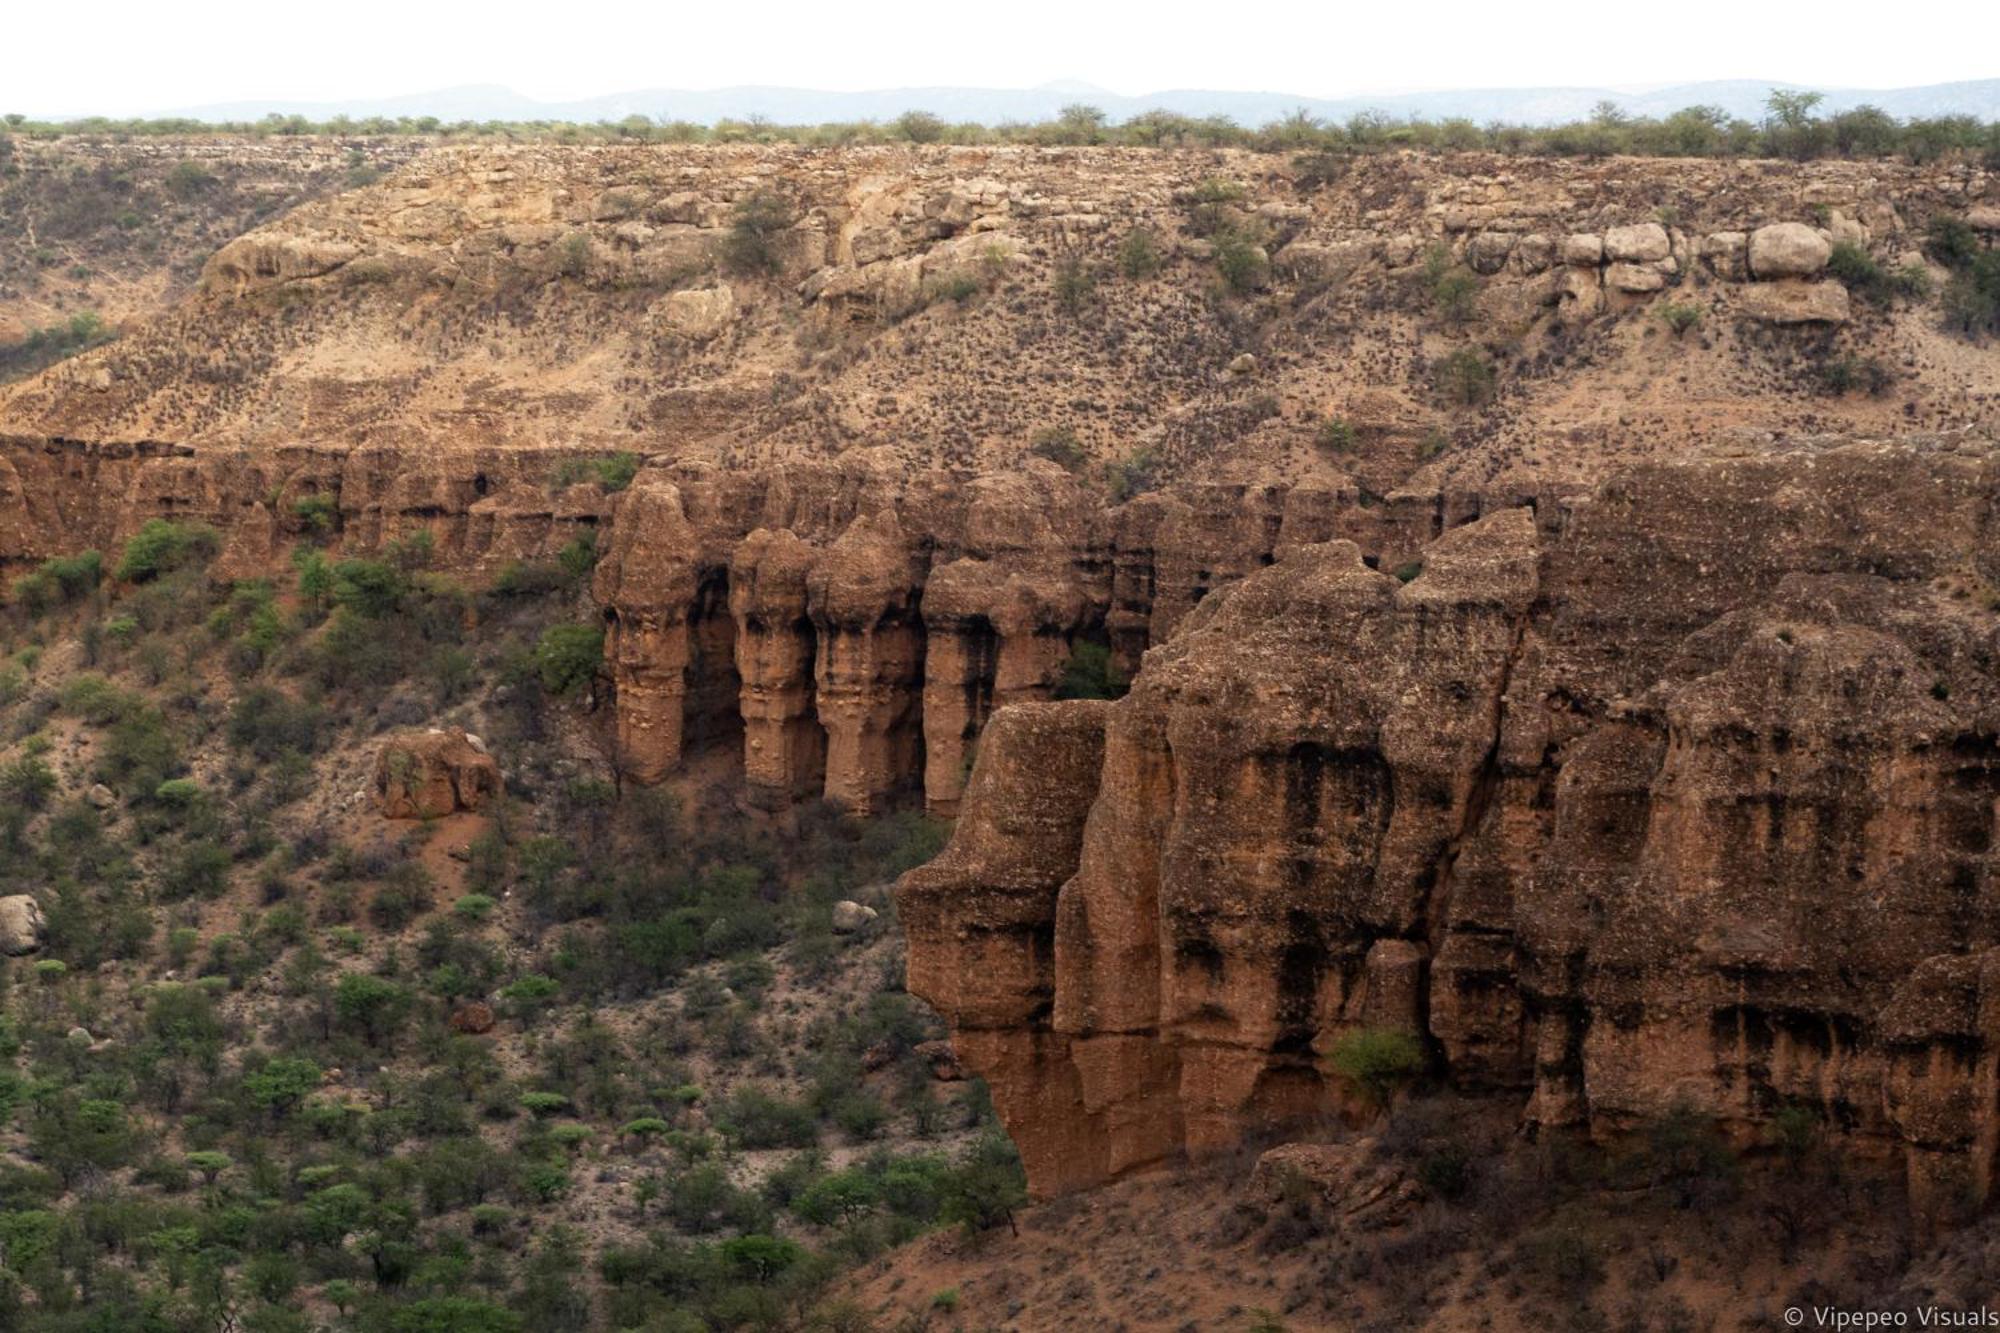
[
  {"x": 371, "y": 588},
  {"x": 161, "y": 546},
  {"x": 1845, "y": 374},
  {"x": 1241, "y": 261},
  {"x": 1456, "y": 295},
  {"x": 269, "y": 723},
  {"x": 279, "y": 1085},
  {"x": 1972, "y": 298},
  {"x": 918, "y": 127},
  {"x": 1089, "y": 673},
  {"x": 1139, "y": 254},
  {"x": 1952, "y": 242},
  {"x": 27, "y": 782},
  {"x": 317, "y": 512},
  {"x": 1337, "y": 434},
  {"x": 983, "y": 1193},
  {"x": 957, "y": 287},
  {"x": 1134, "y": 474},
  {"x": 201, "y": 870},
  {"x": 568, "y": 656},
  {"x": 1377, "y": 1062},
  {"x": 1074, "y": 282},
  {"x": 758, "y": 1119},
  {"x": 474, "y": 907},
  {"x": 751, "y": 247},
  {"x": 46, "y": 346},
  {"x": 370, "y": 1006},
  {"x": 1464, "y": 378},
  {"x": 614, "y": 472},
  {"x": 1060, "y": 446},
  {"x": 58, "y": 580},
  {"x": 1680, "y": 316}
]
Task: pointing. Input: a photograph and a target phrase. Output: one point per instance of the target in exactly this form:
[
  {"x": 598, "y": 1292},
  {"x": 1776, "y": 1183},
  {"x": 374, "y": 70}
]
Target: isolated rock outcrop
[
  {"x": 430, "y": 774},
  {"x": 22, "y": 927},
  {"x": 1787, "y": 250},
  {"x": 1687, "y": 797}
]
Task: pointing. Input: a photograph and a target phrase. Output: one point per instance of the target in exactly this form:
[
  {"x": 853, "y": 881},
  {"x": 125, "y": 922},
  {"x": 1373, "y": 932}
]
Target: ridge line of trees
[{"x": 1792, "y": 127}]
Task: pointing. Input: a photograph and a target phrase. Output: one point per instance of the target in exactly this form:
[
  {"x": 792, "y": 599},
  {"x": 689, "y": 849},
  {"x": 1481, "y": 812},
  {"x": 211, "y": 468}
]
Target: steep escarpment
[
  {"x": 906, "y": 427},
  {"x": 1679, "y": 793}
]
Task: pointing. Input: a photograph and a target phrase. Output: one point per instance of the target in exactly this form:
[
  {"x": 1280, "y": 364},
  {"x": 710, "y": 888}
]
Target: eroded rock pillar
[
  {"x": 784, "y": 745},
  {"x": 647, "y": 584},
  {"x": 863, "y": 595}
]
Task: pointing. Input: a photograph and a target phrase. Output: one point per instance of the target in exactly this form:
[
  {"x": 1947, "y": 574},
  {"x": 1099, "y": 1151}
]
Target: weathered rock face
[
  {"x": 1787, "y": 250},
  {"x": 430, "y": 774},
  {"x": 1682, "y": 793},
  {"x": 22, "y": 926}
]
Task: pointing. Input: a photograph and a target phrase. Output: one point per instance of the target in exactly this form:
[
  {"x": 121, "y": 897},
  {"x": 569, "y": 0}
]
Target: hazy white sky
[{"x": 117, "y": 56}]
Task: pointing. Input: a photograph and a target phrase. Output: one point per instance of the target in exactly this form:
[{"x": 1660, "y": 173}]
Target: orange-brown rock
[
  {"x": 1683, "y": 792},
  {"x": 648, "y": 584},
  {"x": 475, "y": 1019},
  {"x": 863, "y": 594},
  {"x": 777, "y": 649},
  {"x": 430, "y": 774}
]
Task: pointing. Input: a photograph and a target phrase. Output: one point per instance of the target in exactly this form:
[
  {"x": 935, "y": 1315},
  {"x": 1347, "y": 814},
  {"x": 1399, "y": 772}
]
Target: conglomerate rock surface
[{"x": 1681, "y": 793}]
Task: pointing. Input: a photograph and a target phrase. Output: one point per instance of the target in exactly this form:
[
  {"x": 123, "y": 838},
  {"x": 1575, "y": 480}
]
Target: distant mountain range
[{"x": 799, "y": 106}]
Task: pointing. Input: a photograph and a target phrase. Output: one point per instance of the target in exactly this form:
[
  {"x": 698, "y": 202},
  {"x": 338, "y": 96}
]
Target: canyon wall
[
  {"x": 886, "y": 482},
  {"x": 1683, "y": 792}
]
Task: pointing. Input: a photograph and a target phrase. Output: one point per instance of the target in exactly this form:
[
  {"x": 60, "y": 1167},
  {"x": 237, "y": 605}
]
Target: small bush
[
  {"x": 1464, "y": 378},
  {"x": 567, "y": 656},
  {"x": 1680, "y": 316},
  {"x": 751, "y": 248},
  {"x": 1060, "y": 446},
  {"x": 1241, "y": 261},
  {"x": 59, "y": 580},
  {"x": 1074, "y": 282},
  {"x": 1138, "y": 254},
  {"x": 1846, "y": 374},
  {"x": 1134, "y": 474},
  {"x": 1090, "y": 674},
  {"x": 614, "y": 472},
  {"x": 161, "y": 546},
  {"x": 1378, "y": 1062},
  {"x": 918, "y": 127},
  {"x": 1337, "y": 434}
]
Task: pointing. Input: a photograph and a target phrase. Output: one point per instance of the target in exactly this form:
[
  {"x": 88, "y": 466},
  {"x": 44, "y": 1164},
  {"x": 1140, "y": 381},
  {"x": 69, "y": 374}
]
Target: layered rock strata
[{"x": 1680, "y": 793}]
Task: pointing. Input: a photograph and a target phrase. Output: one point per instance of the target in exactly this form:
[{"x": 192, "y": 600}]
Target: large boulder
[
  {"x": 21, "y": 925},
  {"x": 1583, "y": 250},
  {"x": 851, "y": 917},
  {"x": 698, "y": 314},
  {"x": 1642, "y": 243},
  {"x": 1787, "y": 250},
  {"x": 430, "y": 774}
]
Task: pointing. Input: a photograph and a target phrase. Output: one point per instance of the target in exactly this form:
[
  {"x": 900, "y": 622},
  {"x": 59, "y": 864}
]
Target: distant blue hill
[{"x": 794, "y": 106}]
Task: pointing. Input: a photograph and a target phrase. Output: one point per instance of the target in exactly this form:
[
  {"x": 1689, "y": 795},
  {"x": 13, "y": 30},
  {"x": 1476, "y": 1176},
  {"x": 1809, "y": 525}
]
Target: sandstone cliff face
[
  {"x": 1682, "y": 793},
  {"x": 428, "y": 352}
]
